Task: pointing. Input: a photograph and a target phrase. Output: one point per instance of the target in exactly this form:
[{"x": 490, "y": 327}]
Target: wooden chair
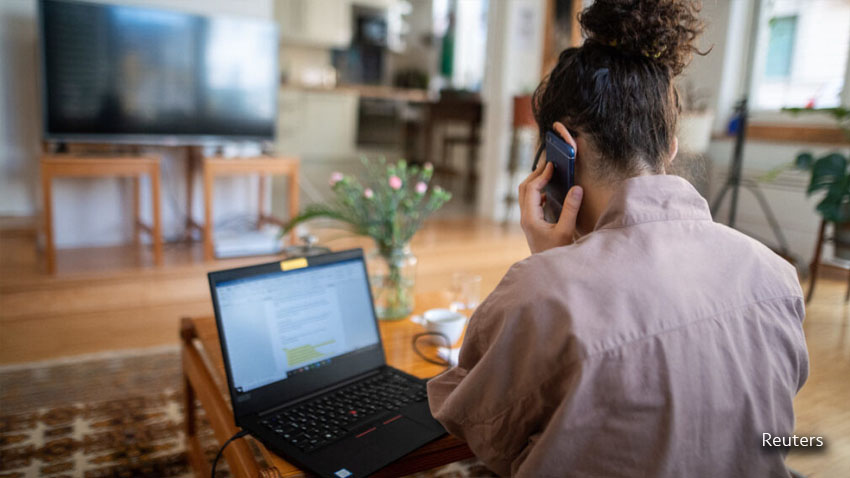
[
  {"x": 815, "y": 265},
  {"x": 64, "y": 165},
  {"x": 264, "y": 166},
  {"x": 456, "y": 108}
]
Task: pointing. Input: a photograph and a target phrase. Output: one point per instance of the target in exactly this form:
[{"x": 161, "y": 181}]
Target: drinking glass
[{"x": 465, "y": 293}]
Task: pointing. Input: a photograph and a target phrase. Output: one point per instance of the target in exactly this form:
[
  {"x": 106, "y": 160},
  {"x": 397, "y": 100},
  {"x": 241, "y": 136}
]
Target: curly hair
[{"x": 617, "y": 88}]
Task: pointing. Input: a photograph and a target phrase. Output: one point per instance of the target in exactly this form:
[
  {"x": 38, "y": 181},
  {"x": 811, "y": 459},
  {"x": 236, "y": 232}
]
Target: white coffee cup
[{"x": 443, "y": 321}]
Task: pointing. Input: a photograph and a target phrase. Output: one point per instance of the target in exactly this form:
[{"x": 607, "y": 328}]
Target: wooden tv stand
[{"x": 132, "y": 166}]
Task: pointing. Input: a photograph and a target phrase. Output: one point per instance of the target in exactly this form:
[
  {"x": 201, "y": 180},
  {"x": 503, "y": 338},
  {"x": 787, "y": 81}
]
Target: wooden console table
[
  {"x": 67, "y": 165},
  {"x": 204, "y": 379},
  {"x": 263, "y": 166}
]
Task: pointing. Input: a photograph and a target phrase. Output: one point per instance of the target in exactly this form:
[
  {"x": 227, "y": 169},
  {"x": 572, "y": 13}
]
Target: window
[
  {"x": 802, "y": 52},
  {"x": 780, "y": 47}
]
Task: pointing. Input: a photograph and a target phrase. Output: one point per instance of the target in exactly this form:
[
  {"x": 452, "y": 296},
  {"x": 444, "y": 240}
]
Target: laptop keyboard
[{"x": 319, "y": 422}]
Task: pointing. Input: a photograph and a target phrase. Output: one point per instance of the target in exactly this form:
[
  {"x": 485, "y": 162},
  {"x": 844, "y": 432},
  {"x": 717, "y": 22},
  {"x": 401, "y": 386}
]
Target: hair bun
[{"x": 661, "y": 30}]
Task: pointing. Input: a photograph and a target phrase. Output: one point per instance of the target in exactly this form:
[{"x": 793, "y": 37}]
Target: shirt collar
[{"x": 653, "y": 198}]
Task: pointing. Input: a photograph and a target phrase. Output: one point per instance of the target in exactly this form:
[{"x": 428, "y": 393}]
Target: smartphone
[{"x": 563, "y": 157}]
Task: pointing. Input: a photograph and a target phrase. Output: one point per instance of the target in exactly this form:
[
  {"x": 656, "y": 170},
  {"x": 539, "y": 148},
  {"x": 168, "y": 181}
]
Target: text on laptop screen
[{"x": 285, "y": 323}]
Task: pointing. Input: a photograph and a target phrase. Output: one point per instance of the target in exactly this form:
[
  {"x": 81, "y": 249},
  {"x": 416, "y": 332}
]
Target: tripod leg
[
  {"x": 719, "y": 199},
  {"x": 768, "y": 213},
  {"x": 733, "y": 204}
]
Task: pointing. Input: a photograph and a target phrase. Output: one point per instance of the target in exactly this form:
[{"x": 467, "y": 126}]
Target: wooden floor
[{"x": 113, "y": 298}]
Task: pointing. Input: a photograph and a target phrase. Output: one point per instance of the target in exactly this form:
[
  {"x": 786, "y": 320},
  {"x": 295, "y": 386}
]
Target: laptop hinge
[{"x": 313, "y": 395}]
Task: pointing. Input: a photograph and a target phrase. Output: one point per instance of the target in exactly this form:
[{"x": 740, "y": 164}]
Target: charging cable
[
  {"x": 421, "y": 355},
  {"x": 236, "y": 436}
]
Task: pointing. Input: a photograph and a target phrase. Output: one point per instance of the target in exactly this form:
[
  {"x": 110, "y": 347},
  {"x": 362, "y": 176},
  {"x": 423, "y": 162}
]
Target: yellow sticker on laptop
[{"x": 291, "y": 264}]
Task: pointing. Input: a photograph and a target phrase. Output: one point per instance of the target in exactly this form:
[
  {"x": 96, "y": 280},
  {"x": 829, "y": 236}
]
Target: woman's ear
[
  {"x": 585, "y": 154},
  {"x": 565, "y": 134}
]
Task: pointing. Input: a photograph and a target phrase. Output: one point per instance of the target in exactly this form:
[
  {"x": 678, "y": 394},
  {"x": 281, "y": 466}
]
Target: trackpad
[{"x": 401, "y": 435}]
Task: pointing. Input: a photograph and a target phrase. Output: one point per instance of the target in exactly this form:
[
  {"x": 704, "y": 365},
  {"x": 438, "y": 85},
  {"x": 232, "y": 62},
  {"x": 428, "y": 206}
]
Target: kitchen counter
[{"x": 368, "y": 91}]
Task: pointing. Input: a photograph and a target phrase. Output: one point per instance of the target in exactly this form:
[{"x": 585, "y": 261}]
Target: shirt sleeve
[{"x": 504, "y": 389}]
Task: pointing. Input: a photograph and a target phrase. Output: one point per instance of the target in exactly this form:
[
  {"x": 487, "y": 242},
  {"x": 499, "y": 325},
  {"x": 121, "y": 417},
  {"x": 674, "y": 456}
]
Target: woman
[{"x": 640, "y": 338}]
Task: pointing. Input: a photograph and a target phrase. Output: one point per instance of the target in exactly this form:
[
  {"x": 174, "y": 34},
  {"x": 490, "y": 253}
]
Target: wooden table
[
  {"x": 67, "y": 165},
  {"x": 205, "y": 380},
  {"x": 263, "y": 166}
]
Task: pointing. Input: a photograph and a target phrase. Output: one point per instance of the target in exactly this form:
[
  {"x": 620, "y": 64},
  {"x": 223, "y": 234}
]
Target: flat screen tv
[{"x": 114, "y": 73}]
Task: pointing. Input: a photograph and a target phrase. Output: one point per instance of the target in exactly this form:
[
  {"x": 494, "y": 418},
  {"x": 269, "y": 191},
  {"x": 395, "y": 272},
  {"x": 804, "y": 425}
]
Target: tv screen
[{"x": 115, "y": 73}]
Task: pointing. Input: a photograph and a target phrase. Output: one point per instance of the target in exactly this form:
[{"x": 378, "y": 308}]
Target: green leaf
[
  {"x": 831, "y": 210},
  {"x": 835, "y": 205},
  {"x": 826, "y": 171},
  {"x": 804, "y": 160},
  {"x": 774, "y": 173},
  {"x": 840, "y": 114},
  {"x": 391, "y": 217},
  {"x": 314, "y": 211}
]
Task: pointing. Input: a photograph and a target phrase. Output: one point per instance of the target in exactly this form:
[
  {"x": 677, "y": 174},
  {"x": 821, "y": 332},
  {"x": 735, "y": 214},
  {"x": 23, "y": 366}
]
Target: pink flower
[
  {"x": 395, "y": 182},
  {"x": 429, "y": 166},
  {"x": 368, "y": 193},
  {"x": 336, "y": 177},
  {"x": 421, "y": 187}
]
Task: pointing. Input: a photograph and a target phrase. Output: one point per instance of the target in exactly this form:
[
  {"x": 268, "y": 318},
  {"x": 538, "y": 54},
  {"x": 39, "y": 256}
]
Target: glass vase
[{"x": 392, "y": 274}]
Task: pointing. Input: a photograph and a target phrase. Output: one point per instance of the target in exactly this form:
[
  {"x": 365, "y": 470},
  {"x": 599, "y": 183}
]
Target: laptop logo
[
  {"x": 291, "y": 264},
  {"x": 343, "y": 473}
]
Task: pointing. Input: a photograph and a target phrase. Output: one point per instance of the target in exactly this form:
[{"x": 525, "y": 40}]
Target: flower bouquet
[{"x": 389, "y": 205}]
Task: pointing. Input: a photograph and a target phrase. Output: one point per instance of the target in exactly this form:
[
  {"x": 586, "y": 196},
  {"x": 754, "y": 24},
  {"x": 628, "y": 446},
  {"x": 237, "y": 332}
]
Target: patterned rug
[{"x": 115, "y": 415}]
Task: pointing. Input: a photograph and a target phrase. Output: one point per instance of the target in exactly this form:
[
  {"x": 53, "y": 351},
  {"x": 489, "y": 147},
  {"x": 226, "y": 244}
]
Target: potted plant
[
  {"x": 389, "y": 205},
  {"x": 831, "y": 173}
]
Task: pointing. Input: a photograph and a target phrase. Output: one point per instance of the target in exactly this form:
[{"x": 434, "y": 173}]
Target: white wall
[
  {"x": 92, "y": 211},
  {"x": 719, "y": 73},
  {"x": 514, "y": 52},
  {"x": 20, "y": 124}
]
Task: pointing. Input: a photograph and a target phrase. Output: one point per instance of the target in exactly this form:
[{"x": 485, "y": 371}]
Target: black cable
[
  {"x": 421, "y": 355},
  {"x": 236, "y": 436}
]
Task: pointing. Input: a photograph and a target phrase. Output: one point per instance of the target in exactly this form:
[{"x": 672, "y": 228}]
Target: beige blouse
[{"x": 660, "y": 344}]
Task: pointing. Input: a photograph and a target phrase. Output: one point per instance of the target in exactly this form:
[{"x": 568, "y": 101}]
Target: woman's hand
[{"x": 540, "y": 234}]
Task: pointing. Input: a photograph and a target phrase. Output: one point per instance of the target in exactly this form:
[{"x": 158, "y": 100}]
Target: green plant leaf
[
  {"x": 774, "y": 173},
  {"x": 835, "y": 205},
  {"x": 804, "y": 160},
  {"x": 840, "y": 114},
  {"x": 827, "y": 171},
  {"x": 833, "y": 209},
  {"x": 314, "y": 211},
  {"x": 389, "y": 216}
]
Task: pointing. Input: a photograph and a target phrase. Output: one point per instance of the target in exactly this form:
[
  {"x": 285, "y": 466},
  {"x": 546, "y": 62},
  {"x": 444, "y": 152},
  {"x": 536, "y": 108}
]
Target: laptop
[{"x": 306, "y": 367}]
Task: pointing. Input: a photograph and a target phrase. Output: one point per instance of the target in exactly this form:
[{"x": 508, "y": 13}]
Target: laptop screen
[{"x": 281, "y": 325}]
